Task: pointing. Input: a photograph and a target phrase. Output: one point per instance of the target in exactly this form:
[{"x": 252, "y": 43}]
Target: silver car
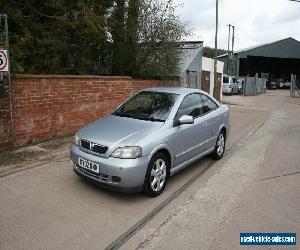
[{"x": 150, "y": 137}]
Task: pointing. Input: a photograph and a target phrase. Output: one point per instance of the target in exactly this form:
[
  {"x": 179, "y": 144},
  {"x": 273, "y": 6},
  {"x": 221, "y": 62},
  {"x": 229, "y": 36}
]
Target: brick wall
[
  {"x": 5, "y": 121},
  {"x": 46, "y": 106}
]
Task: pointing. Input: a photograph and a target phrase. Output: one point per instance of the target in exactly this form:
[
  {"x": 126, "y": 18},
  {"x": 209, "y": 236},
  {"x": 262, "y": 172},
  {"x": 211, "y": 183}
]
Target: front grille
[
  {"x": 86, "y": 144},
  {"x": 99, "y": 149}
]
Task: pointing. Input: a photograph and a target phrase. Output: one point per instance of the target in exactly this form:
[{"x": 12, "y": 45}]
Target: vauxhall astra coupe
[{"x": 150, "y": 137}]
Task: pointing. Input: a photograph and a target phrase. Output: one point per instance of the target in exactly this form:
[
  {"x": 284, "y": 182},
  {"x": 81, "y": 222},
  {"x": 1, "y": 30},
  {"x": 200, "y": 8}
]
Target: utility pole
[
  {"x": 232, "y": 55},
  {"x": 228, "y": 48},
  {"x": 232, "y": 38},
  {"x": 216, "y": 54},
  {"x": 230, "y": 52}
]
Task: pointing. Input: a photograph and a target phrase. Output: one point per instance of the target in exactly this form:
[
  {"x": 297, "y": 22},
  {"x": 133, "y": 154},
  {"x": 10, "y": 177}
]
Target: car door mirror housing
[{"x": 186, "y": 119}]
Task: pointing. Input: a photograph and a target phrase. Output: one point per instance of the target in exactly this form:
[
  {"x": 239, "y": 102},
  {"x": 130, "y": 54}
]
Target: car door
[
  {"x": 211, "y": 122},
  {"x": 186, "y": 139}
]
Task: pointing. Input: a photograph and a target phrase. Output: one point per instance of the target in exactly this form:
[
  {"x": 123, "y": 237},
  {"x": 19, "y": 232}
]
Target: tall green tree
[
  {"x": 145, "y": 36},
  {"x": 56, "y": 36},
  {"x": 160, "y": 31},
  {"x": 118, "y": 37},
  {"x": 131, "y": 40}
]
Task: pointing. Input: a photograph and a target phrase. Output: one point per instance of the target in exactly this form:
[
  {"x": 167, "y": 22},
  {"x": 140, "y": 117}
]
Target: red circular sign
[{"x": 3, "y": 60}]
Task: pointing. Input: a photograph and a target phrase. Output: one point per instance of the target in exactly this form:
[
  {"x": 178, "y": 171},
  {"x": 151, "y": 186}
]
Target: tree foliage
[
  {"x": 210, "y": 52},
  {"x": 121, "y": 37},
  {"x": 55, "y": 36},
  {"x": 159, "y": 31}
]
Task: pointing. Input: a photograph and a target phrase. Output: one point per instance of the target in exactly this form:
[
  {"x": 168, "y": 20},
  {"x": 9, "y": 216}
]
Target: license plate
[{"x": 90, "y": 165}]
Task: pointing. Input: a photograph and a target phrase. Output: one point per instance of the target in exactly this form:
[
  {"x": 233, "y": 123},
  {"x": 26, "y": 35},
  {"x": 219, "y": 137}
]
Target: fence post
[
  {"x": 296, "y": 87},
  {"x": 255, "y": 83},
  {"x": 293, "y": 85}
]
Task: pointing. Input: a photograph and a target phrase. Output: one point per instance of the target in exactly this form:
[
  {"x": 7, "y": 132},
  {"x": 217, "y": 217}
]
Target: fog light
[{"x": 116, "y": 179}]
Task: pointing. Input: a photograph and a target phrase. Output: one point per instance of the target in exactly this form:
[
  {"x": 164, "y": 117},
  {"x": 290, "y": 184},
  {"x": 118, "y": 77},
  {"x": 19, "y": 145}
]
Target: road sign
[{"x": 3, "y": 60}]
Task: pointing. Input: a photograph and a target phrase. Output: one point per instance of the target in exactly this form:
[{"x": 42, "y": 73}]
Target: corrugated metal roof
[{"x": 285, "y": 48}]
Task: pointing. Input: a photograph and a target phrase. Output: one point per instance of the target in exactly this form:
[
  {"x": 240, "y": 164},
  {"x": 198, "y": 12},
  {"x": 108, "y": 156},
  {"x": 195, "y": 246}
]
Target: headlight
[
  {"x": 76, "y": 139},
  {"x": 127, "y": 152}
]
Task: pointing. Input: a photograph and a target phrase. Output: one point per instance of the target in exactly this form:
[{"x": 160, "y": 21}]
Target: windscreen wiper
[{"x": 150, "y": 119}]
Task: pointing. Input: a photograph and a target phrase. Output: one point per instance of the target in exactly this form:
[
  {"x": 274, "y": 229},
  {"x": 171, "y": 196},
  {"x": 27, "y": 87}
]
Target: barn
[{"x": 273, "y": 60}]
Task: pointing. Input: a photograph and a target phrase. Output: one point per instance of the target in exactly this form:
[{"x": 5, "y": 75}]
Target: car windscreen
[
  {"x": 225, "y": 79},
  {"x": 148, "y": 105}
]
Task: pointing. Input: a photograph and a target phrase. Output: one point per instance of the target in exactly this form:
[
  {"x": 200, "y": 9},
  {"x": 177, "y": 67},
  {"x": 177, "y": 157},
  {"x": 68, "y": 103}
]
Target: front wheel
[
  {"x": 157, "y": 175},
  {"x": 220, "y": 146}
]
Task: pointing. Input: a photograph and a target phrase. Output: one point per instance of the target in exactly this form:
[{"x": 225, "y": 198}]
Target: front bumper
[
  {"x": 130, "y": 171},
  {"x": 226, "y": 90}
]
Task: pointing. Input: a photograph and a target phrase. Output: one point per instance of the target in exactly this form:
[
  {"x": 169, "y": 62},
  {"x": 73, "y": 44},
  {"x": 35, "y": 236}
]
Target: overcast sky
[{"x": 256, "y": 21}]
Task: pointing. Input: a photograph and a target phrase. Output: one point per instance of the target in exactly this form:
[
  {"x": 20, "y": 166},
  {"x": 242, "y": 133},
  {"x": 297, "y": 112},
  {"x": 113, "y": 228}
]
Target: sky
[{"x": 256, "y": 21}]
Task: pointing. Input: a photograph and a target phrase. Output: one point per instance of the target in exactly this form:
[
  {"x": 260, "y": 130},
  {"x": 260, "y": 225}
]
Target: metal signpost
[
  {"x": 4, "y": 56},
  {"x": 3, "y": 60},
  {"x": 5, "y": 68}
]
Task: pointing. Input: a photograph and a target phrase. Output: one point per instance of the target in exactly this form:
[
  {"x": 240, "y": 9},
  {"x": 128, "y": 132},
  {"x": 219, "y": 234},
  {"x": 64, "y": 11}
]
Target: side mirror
[{"x": 186, "y": 119}]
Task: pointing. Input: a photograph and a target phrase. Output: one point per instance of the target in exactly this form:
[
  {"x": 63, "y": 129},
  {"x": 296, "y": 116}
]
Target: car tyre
[
  {"x": 220, "y": 146},
  {"x": 157, "y": 175}
]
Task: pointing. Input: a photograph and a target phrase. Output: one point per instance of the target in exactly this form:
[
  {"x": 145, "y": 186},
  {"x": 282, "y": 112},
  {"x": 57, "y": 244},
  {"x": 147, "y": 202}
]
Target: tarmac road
[{"x": 49, "y": 207}]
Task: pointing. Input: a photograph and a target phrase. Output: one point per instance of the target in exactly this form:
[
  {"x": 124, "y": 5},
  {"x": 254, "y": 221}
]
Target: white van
[{"x": 229, "y": 85}]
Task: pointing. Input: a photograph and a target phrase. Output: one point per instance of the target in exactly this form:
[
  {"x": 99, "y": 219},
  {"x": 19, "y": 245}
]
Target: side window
[
  {"x": 208, "y": 104},
  {"x": 191, "y": 105}
]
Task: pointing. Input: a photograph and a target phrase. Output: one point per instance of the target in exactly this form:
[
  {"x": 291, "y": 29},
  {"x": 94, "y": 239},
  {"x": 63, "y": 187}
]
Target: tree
[
  {"x": 131, "y": 40},
  {"x": 210, "y": 52},
  {"x": 61, "y": 37},
  {"x": 145, "y": 35},
  {"x": 119, "y": 37},
  {"x": 159, "y": 32}
]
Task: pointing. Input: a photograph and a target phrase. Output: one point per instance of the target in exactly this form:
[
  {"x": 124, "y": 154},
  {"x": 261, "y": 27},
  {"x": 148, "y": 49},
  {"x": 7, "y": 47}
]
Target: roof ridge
[{"x": 260, "y": 45}]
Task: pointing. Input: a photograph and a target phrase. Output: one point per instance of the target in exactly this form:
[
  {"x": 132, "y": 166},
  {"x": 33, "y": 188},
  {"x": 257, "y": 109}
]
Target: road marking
[
  {"x": 278, "y": 176},
  {"x": 141, "y": 223},
  {"x": 247, "y": 134}
]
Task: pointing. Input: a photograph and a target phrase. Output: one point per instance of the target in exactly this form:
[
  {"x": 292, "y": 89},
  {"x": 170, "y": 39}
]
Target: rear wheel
[
  {"x": 157, "y": 175},
  {"x": 220, "y": 146}
]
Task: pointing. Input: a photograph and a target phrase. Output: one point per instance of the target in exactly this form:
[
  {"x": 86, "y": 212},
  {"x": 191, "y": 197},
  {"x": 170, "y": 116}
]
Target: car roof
[{"x": 175, "y": 90}]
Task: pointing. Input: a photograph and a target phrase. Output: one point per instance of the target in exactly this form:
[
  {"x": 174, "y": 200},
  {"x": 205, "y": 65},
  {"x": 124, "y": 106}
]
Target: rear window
[{"x": 225, "y": 79}]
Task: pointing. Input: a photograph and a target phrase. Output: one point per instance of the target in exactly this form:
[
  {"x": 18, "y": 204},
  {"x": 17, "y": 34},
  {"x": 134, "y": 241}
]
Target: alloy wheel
[
  {"x": 158, "y": 175},
  {"x": 220, "y": 144}
]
